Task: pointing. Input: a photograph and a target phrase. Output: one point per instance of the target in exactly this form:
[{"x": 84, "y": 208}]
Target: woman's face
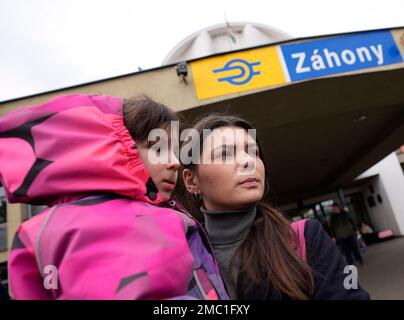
[
  {"x": 161, "y": 163},
  {"x": 231, "y": 183}
]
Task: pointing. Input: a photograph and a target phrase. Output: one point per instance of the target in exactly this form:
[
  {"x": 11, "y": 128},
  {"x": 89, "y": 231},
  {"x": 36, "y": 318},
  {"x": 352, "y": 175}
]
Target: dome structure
[{"x": 222, "y": 38}]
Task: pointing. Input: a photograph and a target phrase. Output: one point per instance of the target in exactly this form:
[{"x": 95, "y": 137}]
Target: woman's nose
[{"x": 247, "y": 161}]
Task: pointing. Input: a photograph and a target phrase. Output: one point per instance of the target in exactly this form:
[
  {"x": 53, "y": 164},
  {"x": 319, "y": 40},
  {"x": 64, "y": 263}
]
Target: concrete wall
[
  {"x": 382, "y": 214},
  {"x": 390, "y": 185}
]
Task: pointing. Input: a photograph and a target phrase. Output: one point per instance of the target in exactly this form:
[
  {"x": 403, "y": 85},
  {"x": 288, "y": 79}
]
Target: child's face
[{"x": 161, "y": 164}]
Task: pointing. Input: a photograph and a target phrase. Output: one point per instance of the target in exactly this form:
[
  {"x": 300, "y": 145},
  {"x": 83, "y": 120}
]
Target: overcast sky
[{"x": 50, "y": 44}]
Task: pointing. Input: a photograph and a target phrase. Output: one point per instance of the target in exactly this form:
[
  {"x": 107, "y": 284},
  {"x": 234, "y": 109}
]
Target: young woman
[
  {"x": 255, "y": 246},
  {"x": 112, "y": 230}
]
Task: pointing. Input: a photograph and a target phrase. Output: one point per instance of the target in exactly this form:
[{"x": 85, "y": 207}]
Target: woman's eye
[{"x": 228, "y": 153}]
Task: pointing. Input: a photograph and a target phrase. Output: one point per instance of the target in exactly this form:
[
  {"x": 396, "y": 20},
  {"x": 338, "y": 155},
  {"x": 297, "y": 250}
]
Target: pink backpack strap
[{"x": 298, "y": 228}]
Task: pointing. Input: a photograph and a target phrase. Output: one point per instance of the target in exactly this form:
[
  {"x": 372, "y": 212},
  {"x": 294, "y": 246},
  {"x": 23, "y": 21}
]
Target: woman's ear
[{"x": 190, "y": 180}]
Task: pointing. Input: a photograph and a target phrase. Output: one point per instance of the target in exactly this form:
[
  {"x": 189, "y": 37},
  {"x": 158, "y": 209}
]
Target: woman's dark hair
[
  {"x": 141, "y": 115},
  {"x": 267, "y": 255}
]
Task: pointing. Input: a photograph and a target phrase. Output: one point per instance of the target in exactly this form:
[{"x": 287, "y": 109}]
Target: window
[
  {"x": 327, "y": 207},
  {"x": 357, "y": 207},
  {"x": 308, "y": 214},
  {"x": 371, "y": 201},
  {"x": 3, "y": 210},
  {"x": 34, "y": 210},
  {"x": 3, "y": 224}
]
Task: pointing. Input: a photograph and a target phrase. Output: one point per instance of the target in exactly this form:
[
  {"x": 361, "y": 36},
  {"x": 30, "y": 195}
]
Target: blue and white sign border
[{"x": 338, "y": 54}]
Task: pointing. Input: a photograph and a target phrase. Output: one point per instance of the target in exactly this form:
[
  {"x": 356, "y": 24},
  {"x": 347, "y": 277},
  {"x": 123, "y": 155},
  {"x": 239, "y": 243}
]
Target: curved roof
[{"x": 222, "y": 38}]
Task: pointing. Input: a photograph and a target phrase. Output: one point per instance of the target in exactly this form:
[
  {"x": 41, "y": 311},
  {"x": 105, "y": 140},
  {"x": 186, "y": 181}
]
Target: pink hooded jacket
[{"x": 107, "y": 234}]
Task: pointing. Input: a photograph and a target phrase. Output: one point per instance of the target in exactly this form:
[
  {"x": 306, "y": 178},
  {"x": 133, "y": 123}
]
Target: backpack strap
[{"x": 298, "y": 228}]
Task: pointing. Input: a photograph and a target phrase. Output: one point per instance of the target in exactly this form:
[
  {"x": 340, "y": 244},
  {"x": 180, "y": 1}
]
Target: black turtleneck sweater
[{"x": 226, "y": 231}]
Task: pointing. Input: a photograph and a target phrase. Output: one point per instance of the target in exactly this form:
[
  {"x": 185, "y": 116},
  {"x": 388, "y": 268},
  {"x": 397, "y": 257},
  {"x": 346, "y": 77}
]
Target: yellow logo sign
[{"x": 237, "y": 72}]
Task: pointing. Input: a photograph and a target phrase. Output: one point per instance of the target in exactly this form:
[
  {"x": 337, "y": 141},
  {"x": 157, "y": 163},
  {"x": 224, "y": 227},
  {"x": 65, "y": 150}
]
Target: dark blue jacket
[
  {"x": 3, "y": 293},
  {"x": 328, "y": 270}
]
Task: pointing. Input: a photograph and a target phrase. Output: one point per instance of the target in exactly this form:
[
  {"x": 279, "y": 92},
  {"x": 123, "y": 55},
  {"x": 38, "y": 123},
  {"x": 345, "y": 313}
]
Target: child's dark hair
[{"x": 141, "y": 115}]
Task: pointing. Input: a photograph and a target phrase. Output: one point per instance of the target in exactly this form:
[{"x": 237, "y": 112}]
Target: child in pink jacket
[{"x": 112, "y": 230}]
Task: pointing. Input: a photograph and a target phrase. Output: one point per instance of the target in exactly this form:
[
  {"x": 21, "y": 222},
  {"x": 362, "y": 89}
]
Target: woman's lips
[{"x": 250, "y": 183}]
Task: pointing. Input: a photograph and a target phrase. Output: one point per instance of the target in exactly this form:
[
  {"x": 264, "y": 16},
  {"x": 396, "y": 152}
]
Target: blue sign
[
  {"x": 340, "y": 54},
  {"x": 241, "y": 65}
]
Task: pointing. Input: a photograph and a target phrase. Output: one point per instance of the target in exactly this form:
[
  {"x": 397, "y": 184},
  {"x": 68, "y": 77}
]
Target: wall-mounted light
[{"x": 182, "y": 71}]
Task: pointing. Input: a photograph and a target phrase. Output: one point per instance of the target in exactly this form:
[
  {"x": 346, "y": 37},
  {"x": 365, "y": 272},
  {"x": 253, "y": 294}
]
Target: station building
[{"x": 329, "y": 110}]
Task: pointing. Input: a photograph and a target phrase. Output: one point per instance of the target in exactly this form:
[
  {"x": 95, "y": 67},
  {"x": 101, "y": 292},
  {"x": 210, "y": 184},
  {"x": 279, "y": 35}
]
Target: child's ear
[{"x": 190, "y": 180}]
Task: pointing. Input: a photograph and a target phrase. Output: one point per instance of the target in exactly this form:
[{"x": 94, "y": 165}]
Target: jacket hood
[{"x": 70, "y": 147}]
